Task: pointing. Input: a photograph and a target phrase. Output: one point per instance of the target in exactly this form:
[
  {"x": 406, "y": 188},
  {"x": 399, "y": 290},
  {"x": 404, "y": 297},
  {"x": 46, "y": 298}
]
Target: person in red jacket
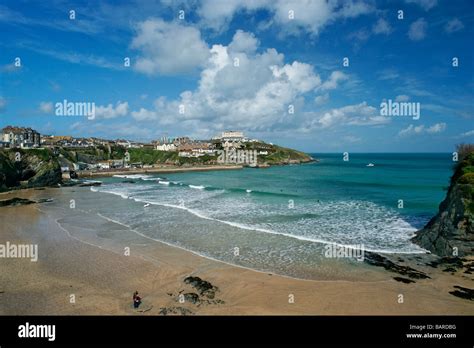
[{"x": 137, "y": 300}]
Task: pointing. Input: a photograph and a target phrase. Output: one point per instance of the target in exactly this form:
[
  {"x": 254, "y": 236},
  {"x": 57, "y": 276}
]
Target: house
[
  {"x": 103, "y": 165},
  {"x": 232, "y": 136},
  {"x": 166, "y": 147},
  {"x": 21, "y": 137}
]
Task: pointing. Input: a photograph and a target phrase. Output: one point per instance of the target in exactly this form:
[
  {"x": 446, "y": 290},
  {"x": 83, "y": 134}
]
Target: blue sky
[{"x": 244, "y": 65}]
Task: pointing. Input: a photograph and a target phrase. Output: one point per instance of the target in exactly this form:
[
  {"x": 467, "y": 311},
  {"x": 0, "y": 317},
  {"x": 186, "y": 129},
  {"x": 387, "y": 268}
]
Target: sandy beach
[{"x": 102, "y": 279}]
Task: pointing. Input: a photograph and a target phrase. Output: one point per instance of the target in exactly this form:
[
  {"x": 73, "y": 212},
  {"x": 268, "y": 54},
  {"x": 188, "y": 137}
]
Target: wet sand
[{"x": 102, "y": 280}]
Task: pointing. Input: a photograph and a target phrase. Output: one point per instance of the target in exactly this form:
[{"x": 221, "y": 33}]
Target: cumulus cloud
[
  {"x": 256, "y": 94},
  {"x": 453, "y": 25},
  {"x": 382, "y": 27},
  {"x": 417, "y": 30},
  {"x": 244, "y": 42},
  {"x": 424, "y": 4},
  {"x": 109, "y": 111},
  {"x": 168, "y": 48},
  {"x": 46, "y": 107},
  {"x": 421, "y": 129}
]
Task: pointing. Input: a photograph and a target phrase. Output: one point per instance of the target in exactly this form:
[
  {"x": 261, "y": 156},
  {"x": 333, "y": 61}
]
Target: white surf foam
[{"x": 198, "y": 187}]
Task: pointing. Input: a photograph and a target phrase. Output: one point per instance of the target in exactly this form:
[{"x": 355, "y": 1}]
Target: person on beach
[{"x": 137, "y": 300}]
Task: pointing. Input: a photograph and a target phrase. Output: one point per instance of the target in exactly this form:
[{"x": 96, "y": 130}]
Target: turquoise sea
[{"x": 279, "y": 219}]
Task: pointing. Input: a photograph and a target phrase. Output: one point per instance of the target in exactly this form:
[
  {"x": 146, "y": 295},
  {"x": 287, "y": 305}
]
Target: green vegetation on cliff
[
  {"x": 281, "y": 155},
  {"x": 450, "y": 232},
  {"x": 21, "y": 168},
  {"x": 276, "y": 155}
]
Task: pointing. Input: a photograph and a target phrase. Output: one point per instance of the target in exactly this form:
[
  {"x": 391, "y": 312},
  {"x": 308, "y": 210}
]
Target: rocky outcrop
[
  {"x": 381, "y": 261},
  {"x": 28, "y": 168},
  {"x": 15, "y": 201},
  {"x": 450, "y": 231},
  {"x": 461, "y": 292}
]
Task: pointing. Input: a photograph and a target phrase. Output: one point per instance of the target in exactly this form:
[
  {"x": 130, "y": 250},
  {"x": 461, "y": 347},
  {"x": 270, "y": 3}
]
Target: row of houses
[
  {"x": 186, "y": 147},
  {"x": 19, "y": 137}
]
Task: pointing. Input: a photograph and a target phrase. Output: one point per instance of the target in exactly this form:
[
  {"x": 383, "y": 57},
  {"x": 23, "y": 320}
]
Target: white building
[
  {"x": 232, "y": 136},
  {"x": 103, "y": 165},
  {"x": 166, "y": 147}
]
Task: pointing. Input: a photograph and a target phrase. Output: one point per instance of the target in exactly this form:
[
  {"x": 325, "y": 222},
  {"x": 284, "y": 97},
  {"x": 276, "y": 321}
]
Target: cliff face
[
  {"x": 452, "y": 226},
  {"x": 33, "y": 168}
]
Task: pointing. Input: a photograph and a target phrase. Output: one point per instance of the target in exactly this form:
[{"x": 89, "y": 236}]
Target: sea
[{"x": 279, "y": 219}]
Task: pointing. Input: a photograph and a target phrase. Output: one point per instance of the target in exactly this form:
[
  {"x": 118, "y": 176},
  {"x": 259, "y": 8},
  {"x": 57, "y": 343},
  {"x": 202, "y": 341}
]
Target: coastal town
[{"x": 92, "y": 156}]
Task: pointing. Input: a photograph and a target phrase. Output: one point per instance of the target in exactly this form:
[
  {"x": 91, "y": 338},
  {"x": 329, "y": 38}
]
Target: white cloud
[
  {"x": 357, "y": 115},
  {"x": 334, "y": 79},
  {"x": 254, "y": 95},
  {"x": 109, "y": 111},
  {"x": 46, "y": 107},
  {"x": 321, "y": 99},
  {"x": 382, "y": 27},
  {"x": 216, "y": 13},
  {"x": 309, "y": 15},
  {"x": 168, "y": 48},
  {"x": 425, "y": 4},
  {"x": 421, "y": 129},
  {"x": 402, "y": 98},
  {"x": 244, "y": 42},
  {"x": 417, "y": 30},
  {"x": 453, "y": 25},
  {"x": 467, "y": 134},
  {"x": 144, "y": 114},
  {"x": 411, "y": 129},
  {"x": 436, "y": 128}
]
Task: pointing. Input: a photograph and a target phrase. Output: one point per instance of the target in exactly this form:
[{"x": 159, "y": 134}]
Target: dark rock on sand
[
  {"x": 451, "y": 264},
  {"x": 465, "y": 293},
  {"x": 45, "y": 200},
  {"x": 381, "y": 261},
  {"x": 403, "y": 280},
  {"x": 191, "y": 297},
  {"x": 450, "y": 269},
  {"x": 175, "y": 310},
  {"x": 204, "y": 287},
  {"x": 15, "y": 202}
]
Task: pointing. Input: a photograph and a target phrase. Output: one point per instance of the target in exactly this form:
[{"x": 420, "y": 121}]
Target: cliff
[
  {"x": 32, "y": 168},
  {"x": 451, "y": 229},
  {"x": 281, "y": 155}
]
